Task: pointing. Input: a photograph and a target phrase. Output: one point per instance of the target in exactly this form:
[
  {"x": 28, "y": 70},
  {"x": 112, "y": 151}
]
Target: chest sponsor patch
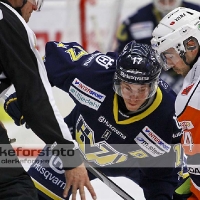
[
  {"x": 83, "y": 99},
  {"x": 155, "y": 138},
  {"x": 146, "y": 145},
  {"x": 88, "y": 90}
]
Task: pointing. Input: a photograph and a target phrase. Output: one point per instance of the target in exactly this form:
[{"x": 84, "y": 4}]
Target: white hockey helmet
[
  {"x": 165, "y": 6},
  {"x": 173, "y": 31}
]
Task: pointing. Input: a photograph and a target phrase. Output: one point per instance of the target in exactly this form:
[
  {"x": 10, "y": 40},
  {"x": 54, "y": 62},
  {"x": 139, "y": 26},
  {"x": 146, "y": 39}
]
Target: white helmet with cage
[
  {"x": 165, "y": 6},
  {"x": 173, "y": 31}
]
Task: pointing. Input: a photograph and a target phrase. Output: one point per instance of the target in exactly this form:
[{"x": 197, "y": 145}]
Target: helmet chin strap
[
  {"x": 184, "y": 59},
  {"x": 24, "y": 2}
]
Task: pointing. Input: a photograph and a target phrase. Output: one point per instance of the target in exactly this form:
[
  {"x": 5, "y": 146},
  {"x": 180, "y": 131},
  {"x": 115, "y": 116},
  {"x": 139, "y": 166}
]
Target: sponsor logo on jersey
[
  {"x": 187, "y": 89},
  {"x": 175, "y": 135},
  {"x": 83, "y": 99},
  {"x": 105, "y": 61},
  {"x": 88, "y": 90},
  {"x": 159, "y": 142},
  {"x": 193, "y": 169},
  {"x": 48, "y": 175},
  {"x": 102, "y": 119},
  {"x": 186, "y": 125},
  {"x": 56, "y": 164},
  {"x": 106, "y": 135},
  {"x": 88, "y": 62},
  {"x": 146, "y": 145},
  {"x": 164, "y": 85}
]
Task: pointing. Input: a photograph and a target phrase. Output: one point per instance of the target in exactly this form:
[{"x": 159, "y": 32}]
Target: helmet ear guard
[{"x": 191, "y": 43}]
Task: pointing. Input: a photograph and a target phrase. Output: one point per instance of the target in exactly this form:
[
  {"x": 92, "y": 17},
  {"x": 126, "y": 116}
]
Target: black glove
[{"x": 12, "y": 109}]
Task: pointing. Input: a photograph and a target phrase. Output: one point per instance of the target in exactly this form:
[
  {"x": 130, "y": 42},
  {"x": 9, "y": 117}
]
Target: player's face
[
  {"x": 27, "y": 9},
  {"x": 134, "y": 95},
  {"x": 173, "y": 60}
]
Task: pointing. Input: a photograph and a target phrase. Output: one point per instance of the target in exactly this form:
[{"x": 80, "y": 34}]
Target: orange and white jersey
[{"x": 187, "y": 107}]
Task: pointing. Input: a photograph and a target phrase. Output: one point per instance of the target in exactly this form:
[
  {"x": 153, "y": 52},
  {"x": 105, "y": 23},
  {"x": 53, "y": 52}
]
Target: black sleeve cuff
[{"x": 70, "y": 158}]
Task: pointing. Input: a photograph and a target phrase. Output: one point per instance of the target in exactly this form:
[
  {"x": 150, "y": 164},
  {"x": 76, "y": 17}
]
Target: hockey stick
[{"x": 108, "y": 182}]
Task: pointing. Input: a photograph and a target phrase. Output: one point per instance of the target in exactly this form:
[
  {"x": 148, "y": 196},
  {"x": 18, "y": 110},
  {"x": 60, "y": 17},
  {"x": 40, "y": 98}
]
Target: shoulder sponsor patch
[
  {"x": 88, "y": 62},
  {"x": 83, "y": 99},
  {"x": 155, "y": 138},
  {"x": 146, "y": 145},
  {"x": 88, "y": 90}
]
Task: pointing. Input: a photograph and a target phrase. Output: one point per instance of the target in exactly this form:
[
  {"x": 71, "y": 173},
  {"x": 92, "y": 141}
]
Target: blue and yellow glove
[{"x": 11, "y": 107}]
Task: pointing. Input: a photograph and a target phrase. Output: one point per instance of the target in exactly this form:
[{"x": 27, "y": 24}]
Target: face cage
[
  {"x": 152, "y": 91},
  {"x": 163, "y": 62},
  {"x": 37, "y": 3}
]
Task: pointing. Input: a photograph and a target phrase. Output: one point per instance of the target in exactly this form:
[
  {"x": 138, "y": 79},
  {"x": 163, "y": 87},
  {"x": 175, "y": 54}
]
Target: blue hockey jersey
[{"x": 108, "y": 138}]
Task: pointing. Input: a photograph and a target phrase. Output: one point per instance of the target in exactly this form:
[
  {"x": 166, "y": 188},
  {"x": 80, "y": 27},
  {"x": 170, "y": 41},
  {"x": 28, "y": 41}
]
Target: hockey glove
[{"x": 12, "y": 109}]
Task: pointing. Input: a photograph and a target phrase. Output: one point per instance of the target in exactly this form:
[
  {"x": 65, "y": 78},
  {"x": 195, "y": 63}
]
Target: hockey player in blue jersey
[{"x": 123, "y": 119}]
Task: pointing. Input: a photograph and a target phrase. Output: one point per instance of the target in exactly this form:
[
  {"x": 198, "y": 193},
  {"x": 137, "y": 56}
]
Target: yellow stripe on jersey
[
  {"x": 46, "y": 191},
  {"x": 4, "y": 117}
]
